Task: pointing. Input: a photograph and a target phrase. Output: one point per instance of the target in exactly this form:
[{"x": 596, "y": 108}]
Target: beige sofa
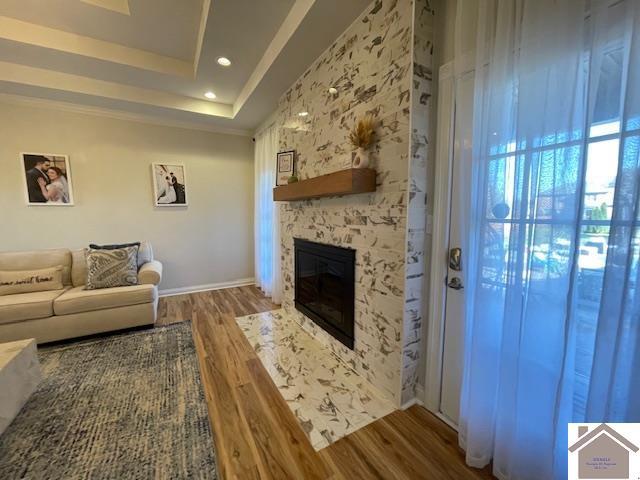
[{"x": 73, "y": 311}]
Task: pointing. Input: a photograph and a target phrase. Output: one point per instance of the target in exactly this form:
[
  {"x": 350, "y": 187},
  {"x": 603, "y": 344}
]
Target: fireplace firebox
[{"x": 324, "y": 287}]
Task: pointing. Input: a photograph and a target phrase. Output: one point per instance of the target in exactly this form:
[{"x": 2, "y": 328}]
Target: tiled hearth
[{"x": 328, "y": 398}]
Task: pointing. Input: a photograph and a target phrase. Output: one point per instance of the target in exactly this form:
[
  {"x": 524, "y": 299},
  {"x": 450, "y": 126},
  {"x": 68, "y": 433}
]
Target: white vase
[{"x": 361, "y": 158}]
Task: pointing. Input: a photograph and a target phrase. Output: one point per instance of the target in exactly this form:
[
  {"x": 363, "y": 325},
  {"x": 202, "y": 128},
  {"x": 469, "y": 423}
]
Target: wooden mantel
[{"x": 344, "y": 182}]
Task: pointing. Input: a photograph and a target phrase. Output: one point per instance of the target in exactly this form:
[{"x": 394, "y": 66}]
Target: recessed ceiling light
[
  {"x": 303, "y": 114},
  {"x": 224, "y": 61},
  {"x": 333, "y": 90},
  {"x": 210, "y": 95}
]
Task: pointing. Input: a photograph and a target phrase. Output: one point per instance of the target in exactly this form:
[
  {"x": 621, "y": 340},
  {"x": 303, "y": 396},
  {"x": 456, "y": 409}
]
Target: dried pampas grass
[{"x": 362, "y": 134}]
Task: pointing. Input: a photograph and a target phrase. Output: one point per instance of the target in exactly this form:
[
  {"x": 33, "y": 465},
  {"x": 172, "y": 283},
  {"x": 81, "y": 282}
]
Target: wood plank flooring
[{"x": 258, "y": 437}]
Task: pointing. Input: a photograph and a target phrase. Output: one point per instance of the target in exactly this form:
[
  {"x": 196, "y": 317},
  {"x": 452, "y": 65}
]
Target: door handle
[
  {"x": 455, "y": 283},
  {"x": 455, "y": 259}
]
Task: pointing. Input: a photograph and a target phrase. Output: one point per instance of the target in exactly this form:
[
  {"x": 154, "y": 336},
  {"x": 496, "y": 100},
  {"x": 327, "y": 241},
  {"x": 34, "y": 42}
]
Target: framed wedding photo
[
  {"x": 47, "y": 179},
  {"x": 285, "y": 167},
  {"x": 169, "y": 184}
]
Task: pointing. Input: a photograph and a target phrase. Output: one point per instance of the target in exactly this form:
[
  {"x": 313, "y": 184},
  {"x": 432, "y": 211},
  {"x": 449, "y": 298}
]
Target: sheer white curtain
[
  {"x": 553, "y": 242},
  {"x": 267, "y": 219}
]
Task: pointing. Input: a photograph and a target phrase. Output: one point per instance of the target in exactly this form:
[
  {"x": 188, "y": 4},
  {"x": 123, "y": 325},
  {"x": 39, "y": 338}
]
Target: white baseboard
[
  {"x": 446, "y": 420},
  {"x": 411, "y": 403},
  {"x": 241, "y": 282},
  {"x": 417, "y": 400}
]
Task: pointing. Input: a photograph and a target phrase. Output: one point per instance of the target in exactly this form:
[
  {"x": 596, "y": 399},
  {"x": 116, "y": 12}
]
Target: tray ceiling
[{"x": 158, "y": 57}]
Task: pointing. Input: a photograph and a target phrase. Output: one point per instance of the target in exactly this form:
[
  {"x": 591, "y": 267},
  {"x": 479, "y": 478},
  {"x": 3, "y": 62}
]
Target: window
[{"x": 548, "y": 213}]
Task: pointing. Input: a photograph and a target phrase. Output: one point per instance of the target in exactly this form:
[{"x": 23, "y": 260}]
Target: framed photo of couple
[
  {"x": 47, "y": 179},
  {"x": 169, "y": 184}
]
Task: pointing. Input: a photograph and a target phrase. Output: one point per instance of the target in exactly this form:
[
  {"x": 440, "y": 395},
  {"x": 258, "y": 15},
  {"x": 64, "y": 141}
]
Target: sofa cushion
[
  {"x": 79, "y": 265},
  {"x": 37, "y": 259},
  {"x": 26, "y": 281},
  {"x": 27, "y": 306},
  {"x": 112, "y": 268},
  {"x": 78, "y": 300}
]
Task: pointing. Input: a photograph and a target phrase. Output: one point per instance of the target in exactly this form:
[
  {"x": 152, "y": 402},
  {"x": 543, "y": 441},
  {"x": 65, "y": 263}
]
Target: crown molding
[{"x": 118, "y": 114}]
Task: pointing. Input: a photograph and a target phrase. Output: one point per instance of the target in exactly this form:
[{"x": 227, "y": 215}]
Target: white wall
[{"x": 210, "y": 241}]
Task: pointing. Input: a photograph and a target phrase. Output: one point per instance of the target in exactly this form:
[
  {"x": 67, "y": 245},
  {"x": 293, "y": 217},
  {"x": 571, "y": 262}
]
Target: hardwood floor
[{"x": 257, "y": 435}]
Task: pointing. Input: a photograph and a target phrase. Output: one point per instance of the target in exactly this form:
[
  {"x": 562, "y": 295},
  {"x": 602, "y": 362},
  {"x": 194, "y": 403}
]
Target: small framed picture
[
  {"x": 285, "y": 167},
  {"x": 47, "y": 179},
  {"x": 169, "y": 184}
]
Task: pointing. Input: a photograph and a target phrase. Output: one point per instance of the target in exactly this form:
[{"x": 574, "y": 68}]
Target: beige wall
[{"x": 210, "y": 241}]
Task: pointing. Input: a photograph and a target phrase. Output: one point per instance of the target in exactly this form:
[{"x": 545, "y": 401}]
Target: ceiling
[{"x": 155, "y": 59}]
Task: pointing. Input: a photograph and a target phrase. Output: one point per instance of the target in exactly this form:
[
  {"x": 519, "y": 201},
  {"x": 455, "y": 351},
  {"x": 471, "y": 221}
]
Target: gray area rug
[{"x": 127, "y": 406}]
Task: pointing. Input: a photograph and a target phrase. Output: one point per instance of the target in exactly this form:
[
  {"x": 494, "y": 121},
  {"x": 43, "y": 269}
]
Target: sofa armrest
[{"x": 150, "y": 273}]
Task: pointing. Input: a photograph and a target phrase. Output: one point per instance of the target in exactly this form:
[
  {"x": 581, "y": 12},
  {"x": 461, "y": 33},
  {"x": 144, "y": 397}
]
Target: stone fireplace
[{"x": 388, "y": 76}]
